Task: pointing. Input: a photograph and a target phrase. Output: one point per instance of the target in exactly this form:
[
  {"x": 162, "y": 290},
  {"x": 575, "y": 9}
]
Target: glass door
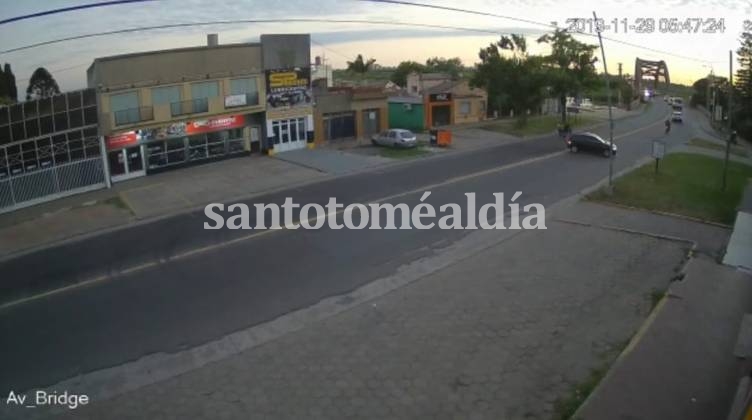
[{"x": 126, "y": 163}]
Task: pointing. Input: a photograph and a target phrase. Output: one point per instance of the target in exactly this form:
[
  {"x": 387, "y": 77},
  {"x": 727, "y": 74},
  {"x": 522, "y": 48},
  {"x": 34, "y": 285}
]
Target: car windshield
[{"x": 406, "y": 135}]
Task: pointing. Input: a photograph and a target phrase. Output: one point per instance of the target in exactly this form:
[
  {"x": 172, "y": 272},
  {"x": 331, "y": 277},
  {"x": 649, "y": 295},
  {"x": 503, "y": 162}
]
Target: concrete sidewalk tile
[
  {"x": 683, "y": 366},
  {"x": 503, "y": 333}
]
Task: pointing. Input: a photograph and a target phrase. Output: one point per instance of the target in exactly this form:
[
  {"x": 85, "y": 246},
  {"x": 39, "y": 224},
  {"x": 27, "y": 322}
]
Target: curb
[{"x": 644, "y": 327}]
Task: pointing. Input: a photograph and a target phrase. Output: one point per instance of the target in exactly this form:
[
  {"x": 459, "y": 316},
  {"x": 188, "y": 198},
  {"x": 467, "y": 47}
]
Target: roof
[
  {"x": 406, "y": 100},
  {"x": 171, "y": 50},
  {"x": 444, "y": 87},
  {"x": 434, "y": 76}
]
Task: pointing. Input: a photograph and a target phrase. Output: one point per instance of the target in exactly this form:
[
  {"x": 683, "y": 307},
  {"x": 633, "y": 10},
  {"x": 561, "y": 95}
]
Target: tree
[
  {"x": 399, "y": 76},
  {"x": 571, "y": 66},
  {"x": 742, "y": 118},
  {"x": 450, "y": 66},
  {"x": 10, "y": 82},
  {"x": 360, "y": 65},
  {"x": 513, "y": 82},
  {"x": 41, "y": 85}
]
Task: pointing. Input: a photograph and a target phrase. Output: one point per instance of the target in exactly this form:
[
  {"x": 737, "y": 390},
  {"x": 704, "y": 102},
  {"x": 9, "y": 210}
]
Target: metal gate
[{"x": 42, "y": 185}]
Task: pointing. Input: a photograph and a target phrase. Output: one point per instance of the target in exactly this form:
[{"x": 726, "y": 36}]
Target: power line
[
  {"x": 332, "y": 50},
  {"x": 239, "y": 21},
  {"x": 454, "y": 9},
  {"x": 476, "y": 12},
  {"x": 70, "y": 9},
  {"x": 64, "y": 69}
]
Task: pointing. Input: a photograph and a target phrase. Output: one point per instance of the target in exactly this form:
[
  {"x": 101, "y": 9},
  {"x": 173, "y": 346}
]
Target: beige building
[
  {"x": 350, "y": 114},
  {"x": 165, "y": 108}
]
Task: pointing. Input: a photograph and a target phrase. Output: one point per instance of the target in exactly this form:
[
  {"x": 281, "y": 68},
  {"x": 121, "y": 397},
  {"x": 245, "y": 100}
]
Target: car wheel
[
  {"x": 574, "y": 148},
  {"x": 607, "y": 153}
]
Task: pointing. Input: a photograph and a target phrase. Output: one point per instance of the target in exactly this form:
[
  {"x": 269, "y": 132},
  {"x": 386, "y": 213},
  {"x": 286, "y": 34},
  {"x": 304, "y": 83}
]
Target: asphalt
[{"x": 181, "y": 303}]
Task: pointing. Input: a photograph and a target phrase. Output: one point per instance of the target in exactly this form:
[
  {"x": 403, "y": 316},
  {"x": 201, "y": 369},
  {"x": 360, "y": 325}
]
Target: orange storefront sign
[
  {"x": 121, "y": 140},
  {"x": 214, "y": 124}
]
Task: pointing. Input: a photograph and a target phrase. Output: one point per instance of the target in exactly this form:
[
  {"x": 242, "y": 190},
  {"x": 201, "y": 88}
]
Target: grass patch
[
  {"x": 707, "y": 144},
  {"x": 564, "y": 408},
  {"x": 118, "y": 203},
  {"x": 399, "y": 153},
  {"x": 686, "y": 184},
  {"x": 537, "y": 125},
  {"x": 655, "y": 297}
]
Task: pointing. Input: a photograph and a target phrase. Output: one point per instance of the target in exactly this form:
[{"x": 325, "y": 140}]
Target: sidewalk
[
  {"x": 148, "y": 197},
  {"x": 503, "y": 332},
  {"x": 683, "y": 366}
]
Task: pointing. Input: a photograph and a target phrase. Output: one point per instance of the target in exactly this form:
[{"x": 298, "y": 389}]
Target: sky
[{"x": 401, "y": 35}]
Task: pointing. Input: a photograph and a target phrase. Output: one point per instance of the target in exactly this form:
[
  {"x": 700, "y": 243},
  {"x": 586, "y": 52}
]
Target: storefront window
[{"x": 301, "y": 129}]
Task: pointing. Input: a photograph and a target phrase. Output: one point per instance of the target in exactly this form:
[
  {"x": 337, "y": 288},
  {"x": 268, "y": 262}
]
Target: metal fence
[{"x": 51, "y": 183}]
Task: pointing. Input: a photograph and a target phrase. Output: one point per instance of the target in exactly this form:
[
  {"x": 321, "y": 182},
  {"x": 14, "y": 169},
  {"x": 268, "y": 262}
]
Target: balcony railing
[
  {"x": 134, "y": 115},
  {"x": 191, "y": 106},
  {"x": 242, "y": 99}
]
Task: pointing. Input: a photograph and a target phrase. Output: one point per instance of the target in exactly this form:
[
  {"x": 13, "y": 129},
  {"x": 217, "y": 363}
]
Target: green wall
[{"x": 412, "y": 119}]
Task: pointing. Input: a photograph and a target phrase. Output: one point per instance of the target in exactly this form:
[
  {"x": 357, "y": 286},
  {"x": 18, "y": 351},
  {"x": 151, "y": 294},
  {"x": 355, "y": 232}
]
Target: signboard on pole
[{"x": 659, "y": 149}]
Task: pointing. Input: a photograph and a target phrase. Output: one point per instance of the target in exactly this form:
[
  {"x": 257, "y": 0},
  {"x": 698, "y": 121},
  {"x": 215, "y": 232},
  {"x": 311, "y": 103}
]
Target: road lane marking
[{"x": 311, "y": 221}]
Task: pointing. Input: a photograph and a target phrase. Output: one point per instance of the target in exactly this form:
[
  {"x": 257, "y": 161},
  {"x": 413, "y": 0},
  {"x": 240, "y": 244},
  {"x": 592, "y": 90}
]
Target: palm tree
[{"x": 360, "y": 65}]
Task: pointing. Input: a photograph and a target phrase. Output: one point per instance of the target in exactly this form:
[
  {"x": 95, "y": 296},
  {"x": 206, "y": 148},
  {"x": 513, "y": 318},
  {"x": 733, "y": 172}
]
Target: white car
[
  {"x": 395, "y": 137},
  {"x": 677, "y": 116}
]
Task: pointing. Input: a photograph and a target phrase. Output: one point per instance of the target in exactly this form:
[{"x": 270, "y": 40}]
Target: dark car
[{"x": 589, "y": 142}]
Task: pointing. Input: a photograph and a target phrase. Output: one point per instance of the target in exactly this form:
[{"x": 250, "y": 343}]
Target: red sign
[
  {"x": 213, "y": 124},
  {"x": 121, "y": 140}
]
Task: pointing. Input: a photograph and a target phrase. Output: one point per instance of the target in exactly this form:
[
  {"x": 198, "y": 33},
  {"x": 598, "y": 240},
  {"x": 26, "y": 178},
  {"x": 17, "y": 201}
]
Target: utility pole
[
  {"x": 619, "y": 91},
  {"x": 610, "y": 115},
  {"x": 728, "y": 111}
]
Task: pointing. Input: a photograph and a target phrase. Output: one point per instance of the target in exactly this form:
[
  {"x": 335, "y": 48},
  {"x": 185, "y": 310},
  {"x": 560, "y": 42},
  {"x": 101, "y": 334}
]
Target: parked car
[
  {"x": 395, "y": 137},
  {"x": 589, "y": 142}
]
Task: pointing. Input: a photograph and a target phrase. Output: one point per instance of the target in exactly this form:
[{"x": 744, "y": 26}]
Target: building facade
[
  {"x": 49, "y": 148},
  {"x": 289, "y": 99},
  {"x": 171, "y": 108},
  {"x": 349, "y": 113}
]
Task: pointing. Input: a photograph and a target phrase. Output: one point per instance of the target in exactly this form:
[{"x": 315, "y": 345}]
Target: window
[
  {"x": 301, "y": 129},
  {"x": 123, "y": 101},
  {"x": 165, "y": 95},
  {"x": 74, "y": 100},
  {"x": 125, "y": 108},
  {"x": 465, "y": 107},
  {"x": 241, "y": 86},
  {"x": 246, "y": 86},
  {"x": 204, "y": 90}
]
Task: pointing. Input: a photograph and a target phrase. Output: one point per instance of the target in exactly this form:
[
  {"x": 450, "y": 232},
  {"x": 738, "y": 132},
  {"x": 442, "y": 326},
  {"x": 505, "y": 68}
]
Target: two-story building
[{"x": 168, "y": 108}]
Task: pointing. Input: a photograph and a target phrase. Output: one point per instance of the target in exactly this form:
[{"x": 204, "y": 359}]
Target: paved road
[{"x": 183, "y": 303}]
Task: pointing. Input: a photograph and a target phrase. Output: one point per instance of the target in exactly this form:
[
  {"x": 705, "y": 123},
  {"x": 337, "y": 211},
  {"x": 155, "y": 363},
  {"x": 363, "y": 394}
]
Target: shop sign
[
  {"x": 236, "y": 100},
  {"x": 288, "y": 88},
  {"x": 119, "y": 141},
  {"x": 440, "y": 97},
  {"x": 182, "y": 129},
  {"x": 214, "y": 124}
]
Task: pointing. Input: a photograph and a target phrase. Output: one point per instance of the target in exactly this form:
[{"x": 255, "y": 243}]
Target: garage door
[{"x": 339, "y": 126}]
